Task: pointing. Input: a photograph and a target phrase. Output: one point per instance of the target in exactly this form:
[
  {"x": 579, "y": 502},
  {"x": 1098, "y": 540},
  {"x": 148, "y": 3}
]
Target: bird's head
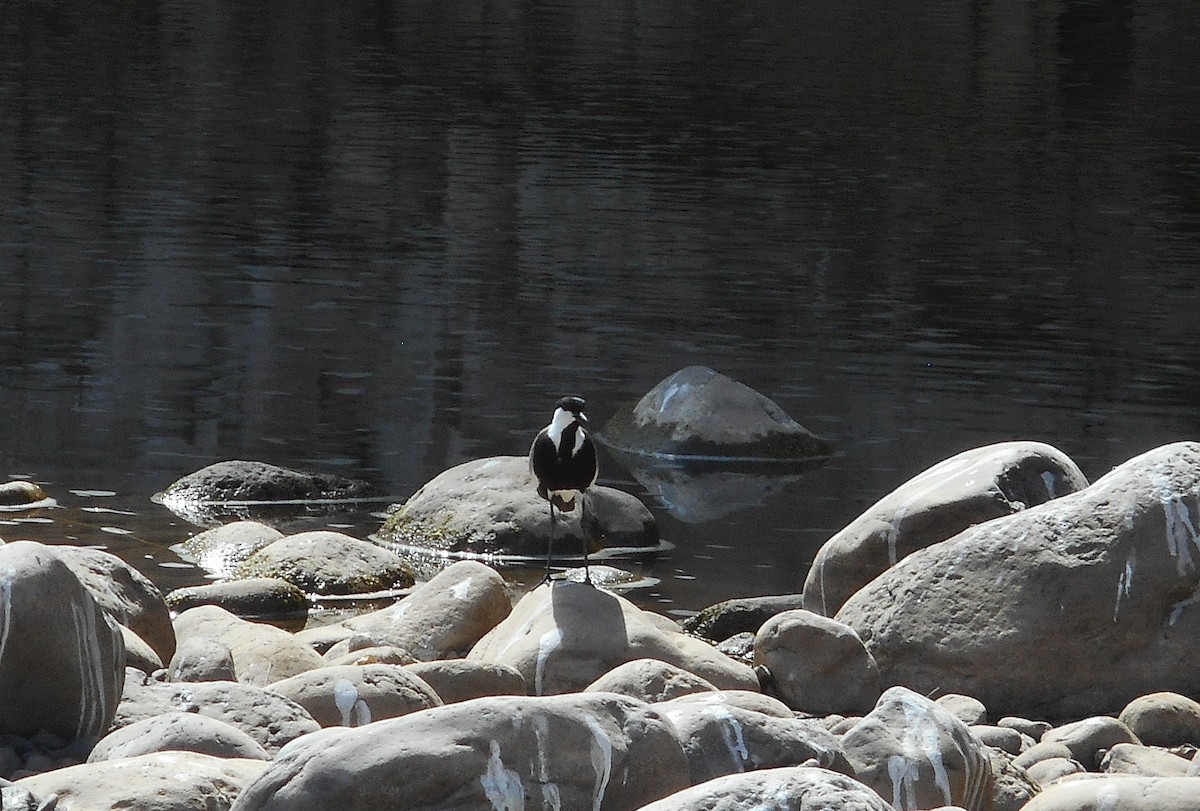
[{"x": 574, "y": 406}]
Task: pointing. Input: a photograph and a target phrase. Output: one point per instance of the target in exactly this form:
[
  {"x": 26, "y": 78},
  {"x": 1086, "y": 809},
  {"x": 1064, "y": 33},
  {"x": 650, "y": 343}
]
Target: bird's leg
[
  {"x": 550, "y": 546},
  {"x": 587, "y": 575}
]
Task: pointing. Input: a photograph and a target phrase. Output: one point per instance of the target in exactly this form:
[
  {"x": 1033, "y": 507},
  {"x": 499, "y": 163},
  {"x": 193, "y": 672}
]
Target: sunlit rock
[
  {"x": 1145, "y": 761},
  {"x": 351, "y": 695},
  {"x": 326, "y": 562},
  {"x": 261, "y": 653},
  {"x": 464, "y": 679},
  {"x": 202, "y": 659},
  {"x": 587, "y": 750},
  {"x": 562, "y": 637},
  {"x": 966, "y": 489},
  {"x": 178, "y": 731},
  {"x": 20, "y": 495},
  {"x": 802, "y": 788},
  {"x": 1088, "y": 738},
  {"x": 220, "y": 549},
  {"x": 650, "y": 680},
  {"x": 697, "y": 413},
  {"x": 1070, "y": 608},
  {"x": 1163, "y": 719},
  {"x": 62, "y": 658},
  {"x": 491, "y": 507},
  {"x": 253, "y": 597},
  {"x": 1119, "y": 792}
]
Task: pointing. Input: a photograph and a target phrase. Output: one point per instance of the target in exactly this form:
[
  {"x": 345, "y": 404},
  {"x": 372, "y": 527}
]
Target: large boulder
[
  {"x": 1070, "y": 608},
  {"x": 697, "y": 413},
  {"x": 354, "y": 695},
  {"x": 650, "y": 680},
  {"x": 491, "y": 506},
  {"x": 967, "y": 489},
  {"x": 917, "y": 754},
  {"x": 261, "y": 653},
  {"x": 563, "y": 636},
  {"x": 327, "y": 562},
  {"x": 794, "y": 788},
  {"x": 1123, "y": 793},
  {"x": 443, "y": 617},
  {"x": 253, "y": 597},
  {"x": 178, "y": 731},
  {"x": 1163, "y": 719},
  {"x": 62, "y": 658},
  {"x": 594, "y": 750}
]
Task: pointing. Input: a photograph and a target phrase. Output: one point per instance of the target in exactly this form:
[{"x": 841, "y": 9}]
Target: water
[{"x": 382, "y": 240}]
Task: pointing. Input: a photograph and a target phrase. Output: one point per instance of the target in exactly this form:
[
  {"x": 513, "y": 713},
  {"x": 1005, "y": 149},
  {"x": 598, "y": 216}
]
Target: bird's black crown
[{"x": 572, "y": 403}]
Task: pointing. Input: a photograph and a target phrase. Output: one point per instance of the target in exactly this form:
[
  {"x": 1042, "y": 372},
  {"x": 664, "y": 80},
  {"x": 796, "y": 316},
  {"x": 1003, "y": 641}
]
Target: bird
[{"x": 563, "y": 460}]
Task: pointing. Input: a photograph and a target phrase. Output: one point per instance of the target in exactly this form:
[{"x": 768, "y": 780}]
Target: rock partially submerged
[
  {"x": 490, "y": 507},
  {"x": 699, "y": 414},
  {"x": 326, "y": 562}
]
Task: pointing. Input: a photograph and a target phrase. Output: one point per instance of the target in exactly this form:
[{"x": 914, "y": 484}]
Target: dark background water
[{"x": 381, "y": 239}]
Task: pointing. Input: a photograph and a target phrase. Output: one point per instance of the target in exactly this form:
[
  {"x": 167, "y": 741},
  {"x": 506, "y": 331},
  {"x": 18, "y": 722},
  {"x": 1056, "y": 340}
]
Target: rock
[
  {"x": 588, "y": 750},
  {"x": 919, "y": 754},
  {"x": 742, "y": 699},
  {"x": 326, "y": 562},
  {"x": 160, "y": 781},
  {"x": 739, "y": 647},
  {"x": 253, "y": 597},
  {"x": 1046, "y": 772},
  {"x": 562, "y": 637},
  {"x": 720, "y": 738},
  {"x": 1163, "y": 719},
  {"x": 457, "y": 680},
  {"x": 62, "y": 660},
  {"x": 816, "y": 664},
  {"x": 969, "y": 710},
  {"x": 125, "y": 594},
  {"x": 971, "y": 488},
  {"x": 697, "y": 413},
  {"x": 178, "y": 731},
  {"x": 1088, "y": 737},
  {"x": 376, "y": 655},
  {"x": 795, "y": 788},
  {"x": 649, "y": 680},
  {"x": 351, "y": 696},
  {"x": 248, "y": 482},
  {"x": 1083, "y": 602},
  {"x": 202, "y": 659},
  {"x": 1042, "y": 751},
  {"x": 731, "y": 617},
  {"x": 268, "y": 718},
  {"x": 20, "y": 495},
  {"x": 1124, "y": 793},
  {"x": 137, "y": 653},
  {"x": 1002, "y": 738},
  {"x": 1012, "y": 787},
  {"x": 375, "y": 639},
  {"x": 443, "y": 617},
  {"x": 1145, "y": 761},
  {"x": 491, "y": 506},
  {"x": 220, "y": 549},
  {"x": 1034, "y": 729},
  {"x": 261, "y": 653}
]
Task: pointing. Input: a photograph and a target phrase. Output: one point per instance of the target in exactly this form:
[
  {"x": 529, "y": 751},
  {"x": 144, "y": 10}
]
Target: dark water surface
[{"x": 381, "y": 240}]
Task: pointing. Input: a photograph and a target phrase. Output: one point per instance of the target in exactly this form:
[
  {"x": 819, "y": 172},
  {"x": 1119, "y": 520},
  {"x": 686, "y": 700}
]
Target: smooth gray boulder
[
  {"x": 1163, "y": 719},
  {"x": 220, "y": 549},
  {"x": 202, "y": 659},
  {"x": 240, "y": 481},
  {"x": 792, "y": 788},
  {"x": 1072, "y": 607},
  {"x": 1089, "y": 737},
  {"x": 253, "y": 597},
  {"x": 699, "y": 414},
  {"x": 563, "y": 636},
  {"x": 491, "y": 506},
  {"x": 178, "y": 731},
  {"x": 327, "y": 562},
  {"x": 354, "y": 695},
  {"x": 1123, "y": 793},
  {"x": 1143, "y": 761},
  {"x": 62, "y": 658},
  {"x": 587, "y": 750},
  {"x": 650, "y": 680},
  {"x": 261, "y": 653},
  {"x": 967, "y": 489},
  {"x": 457, "y": 680}
]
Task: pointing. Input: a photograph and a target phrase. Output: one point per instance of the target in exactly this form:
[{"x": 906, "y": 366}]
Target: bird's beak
[{"x": 583, "y": 417}]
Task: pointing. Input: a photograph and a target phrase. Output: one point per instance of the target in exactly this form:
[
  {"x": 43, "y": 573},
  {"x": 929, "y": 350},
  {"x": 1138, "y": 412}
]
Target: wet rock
[
  {"x": 491, "y": 506},
  {"x": 720, "y": 738},
  {"x": 1082, "y": 603},
  {"x": 125, "y": 594},
  {"x": 351, "y": 696},
  {"x": 1145, "y": 761},
  {"x": 1163, "y": 719},
  {"x": 649, "y": 680},
  {"x": 1089, "y": 737},
  {"x": 242, "y": 481},
  {"x": 967, "y": 489},
  {"x": 457, "y": 680},
  {"x": 202, "y": 659},
  {"x": 326, "y": 562},
  {"x": 268, "y": 718},
  {"x": 698, "y": 413},
  {"x": 219, "y": 550},
  {"x": 261, "y": 653},
  {"x": 562, "y": 637},
  {"x": 253, "y": 597},
  {"x": 23, "y": 495},
  {"x": 739, "y": 647},
  {"x": 728, "y": 618},
  {"x": 178, "y": 731},
  {"x": 816, "y": 664},
  {"x": 802, "y": 788},
  {"x": 443, "y": 617},
  {"x": 62, "y": 660},
  {"x": 1124, "y": 793},
  {"x": 588, "y": 750},
  {"x": 919, "y": 755},
  {"x": 160, "y": 781}
]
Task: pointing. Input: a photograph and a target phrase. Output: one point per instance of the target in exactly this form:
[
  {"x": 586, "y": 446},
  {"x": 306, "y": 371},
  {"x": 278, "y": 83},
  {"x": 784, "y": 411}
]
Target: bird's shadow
[{"x": 584, "y": 614}]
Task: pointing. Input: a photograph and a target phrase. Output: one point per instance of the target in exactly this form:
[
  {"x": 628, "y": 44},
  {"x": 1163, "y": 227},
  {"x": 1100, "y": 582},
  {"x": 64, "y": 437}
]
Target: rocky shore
[{"x": 995, "y": 634}]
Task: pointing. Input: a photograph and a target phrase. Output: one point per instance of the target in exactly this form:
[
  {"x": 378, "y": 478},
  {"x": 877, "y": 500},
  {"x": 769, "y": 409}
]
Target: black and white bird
[{"x": 563, "y": 460}]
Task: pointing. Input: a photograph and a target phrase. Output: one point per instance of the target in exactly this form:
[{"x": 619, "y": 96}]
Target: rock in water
[
  {"x": 61, "y": 657},
  {"x": 491, "y": 507},
  {"x": 1070, "y": 608},
  {"x": 593, "y": 750},
  {"x": 697, "y": 413},
  {"x": 327, "y": 562},
  {"x": 969, "y": 488}
]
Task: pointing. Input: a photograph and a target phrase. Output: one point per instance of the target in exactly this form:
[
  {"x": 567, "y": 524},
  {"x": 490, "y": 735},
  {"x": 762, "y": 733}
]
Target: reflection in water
[{"x": 372, "y": 239}]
